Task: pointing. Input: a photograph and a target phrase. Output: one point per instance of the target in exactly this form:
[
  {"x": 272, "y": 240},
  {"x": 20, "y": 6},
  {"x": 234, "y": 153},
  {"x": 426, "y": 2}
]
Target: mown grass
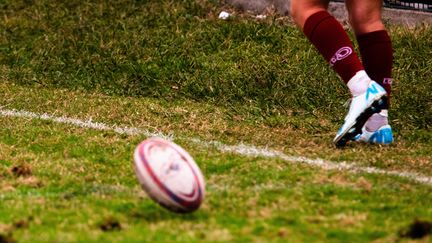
[
  {"x": 172, "y": 66},
  {"x": 179, "y": 49},
  {"x": 81, "y": 185}
]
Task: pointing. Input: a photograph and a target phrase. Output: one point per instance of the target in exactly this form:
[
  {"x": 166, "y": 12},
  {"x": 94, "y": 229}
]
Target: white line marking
[
  {"x": 82, "y": 123},
  {"x": 240, "y": 149}
]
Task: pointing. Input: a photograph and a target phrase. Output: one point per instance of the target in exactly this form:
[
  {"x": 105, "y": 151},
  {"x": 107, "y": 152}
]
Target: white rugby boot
[
  {"x": 362, "y": 107},
  {"x": 383, "y": 136},
  {"x": 376, "y": 130}
]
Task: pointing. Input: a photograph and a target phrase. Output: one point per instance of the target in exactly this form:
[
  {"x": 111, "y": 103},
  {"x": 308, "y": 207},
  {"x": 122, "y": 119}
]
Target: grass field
[{"x": 250, "y": 100}]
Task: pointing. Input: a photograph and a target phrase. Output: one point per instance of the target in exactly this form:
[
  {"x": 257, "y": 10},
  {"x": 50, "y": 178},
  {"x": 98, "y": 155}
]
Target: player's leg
[
  {"x": 327, "y": 35},
  {"x": 374, "y": 42},
  {"x": 377, "y": 58},
  {"x": 331, "y": 40},
  {"x": 365, "y": 15},
  {"x": 301, "y": 10}
]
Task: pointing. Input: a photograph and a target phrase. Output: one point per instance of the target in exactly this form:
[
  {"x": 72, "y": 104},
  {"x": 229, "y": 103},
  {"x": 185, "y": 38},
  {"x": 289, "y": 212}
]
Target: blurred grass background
[{"x": 180, "y": 50}]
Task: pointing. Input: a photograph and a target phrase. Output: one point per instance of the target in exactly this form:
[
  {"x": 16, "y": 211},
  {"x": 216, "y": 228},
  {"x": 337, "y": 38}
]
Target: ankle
[
  {"x": 359, "y": 83},
  {"x": 377, "y": 120}
]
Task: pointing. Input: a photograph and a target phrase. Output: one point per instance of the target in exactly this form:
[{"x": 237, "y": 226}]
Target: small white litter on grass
[{"x": 224, "y": 15}]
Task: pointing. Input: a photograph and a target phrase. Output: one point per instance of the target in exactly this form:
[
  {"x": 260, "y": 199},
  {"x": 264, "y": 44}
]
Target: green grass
[
  {"x": 173, "y": 67},
  {"x": 178, "y": 49},
  {"x": 82, "y": 180}
]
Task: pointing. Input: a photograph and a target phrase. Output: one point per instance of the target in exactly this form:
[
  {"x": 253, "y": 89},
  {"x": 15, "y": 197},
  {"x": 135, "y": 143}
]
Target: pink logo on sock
[
  {"x": 388, "y": 81},
  {"x": 341, "y": 54}
]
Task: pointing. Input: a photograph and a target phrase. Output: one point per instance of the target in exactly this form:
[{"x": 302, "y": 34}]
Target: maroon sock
[
  {"x": 377, "y": 56},
  {"x": 331, "y": 40}
]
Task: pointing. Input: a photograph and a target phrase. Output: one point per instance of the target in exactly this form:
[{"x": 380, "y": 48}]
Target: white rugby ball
[{"x": 169, "y": 175}]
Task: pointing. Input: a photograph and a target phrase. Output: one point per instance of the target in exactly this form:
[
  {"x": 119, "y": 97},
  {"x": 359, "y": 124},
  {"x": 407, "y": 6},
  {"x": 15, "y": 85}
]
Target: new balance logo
[
  {"x": 373, "y": 89},
  {"x": 341, "y": 54}
]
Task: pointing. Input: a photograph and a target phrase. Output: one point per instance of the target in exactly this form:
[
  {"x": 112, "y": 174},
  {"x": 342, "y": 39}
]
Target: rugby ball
[{"x": 169, "y": 175}]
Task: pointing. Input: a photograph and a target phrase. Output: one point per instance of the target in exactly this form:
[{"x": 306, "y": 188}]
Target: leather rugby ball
[{"x": 169, "y": 175}]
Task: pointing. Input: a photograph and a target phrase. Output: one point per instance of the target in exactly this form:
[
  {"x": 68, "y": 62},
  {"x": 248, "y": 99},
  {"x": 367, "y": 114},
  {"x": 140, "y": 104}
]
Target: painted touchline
[{"x": 240, "y": 149}]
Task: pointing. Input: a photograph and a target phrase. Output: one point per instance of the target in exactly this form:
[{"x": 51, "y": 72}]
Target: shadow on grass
[{"x": 155, "y": 213}]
